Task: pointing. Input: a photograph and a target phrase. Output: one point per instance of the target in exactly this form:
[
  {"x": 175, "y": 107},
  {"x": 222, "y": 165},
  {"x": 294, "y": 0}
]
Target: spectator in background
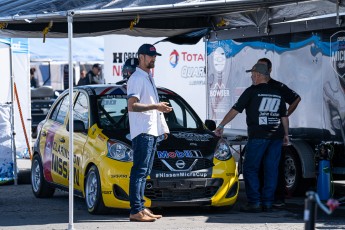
[
  {"x": 33, "y": 81},
  {"x": 83, "y": 80},
  {"x": 128, "y": 69},
  {"x": 95, "y": 75}
]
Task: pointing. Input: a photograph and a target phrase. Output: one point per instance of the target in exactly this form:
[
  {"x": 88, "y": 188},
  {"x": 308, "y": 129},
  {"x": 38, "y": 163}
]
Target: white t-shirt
[{"x": 141, "y": 85}]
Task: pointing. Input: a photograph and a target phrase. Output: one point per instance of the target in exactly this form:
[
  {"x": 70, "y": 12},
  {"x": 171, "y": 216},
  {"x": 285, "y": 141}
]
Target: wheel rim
[
  {"x": 290, "y": 171},
  {"x": 91, "y": 189},
  {"x": 36, "y": 175}
]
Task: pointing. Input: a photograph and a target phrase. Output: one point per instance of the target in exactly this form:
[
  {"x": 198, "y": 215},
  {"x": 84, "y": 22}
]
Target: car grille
[
  {"x": 202, "y": 163},
  {"x": 182, "y": 190}
]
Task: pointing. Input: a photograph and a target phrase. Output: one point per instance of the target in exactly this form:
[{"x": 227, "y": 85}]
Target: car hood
[
  {"x": 185, "y": 154},
  {"x": 201, "y": 140}
]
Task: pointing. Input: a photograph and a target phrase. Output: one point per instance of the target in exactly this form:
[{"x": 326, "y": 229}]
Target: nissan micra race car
[{"x": 192, "y": 167}]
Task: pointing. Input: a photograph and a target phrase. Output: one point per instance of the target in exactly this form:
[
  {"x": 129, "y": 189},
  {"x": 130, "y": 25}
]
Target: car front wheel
[
  {"x": 93, "y": 192},
  {"x": 39, "y": 185}
]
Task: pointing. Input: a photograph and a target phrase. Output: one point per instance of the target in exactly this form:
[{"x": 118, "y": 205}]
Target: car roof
[{"x": 113, "y": 89}]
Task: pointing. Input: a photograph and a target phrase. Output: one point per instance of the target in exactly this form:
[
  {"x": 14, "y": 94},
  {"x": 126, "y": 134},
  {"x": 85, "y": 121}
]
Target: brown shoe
[
  {"x": 150, "y": 214},
  {"x": 141, "y": 217}
]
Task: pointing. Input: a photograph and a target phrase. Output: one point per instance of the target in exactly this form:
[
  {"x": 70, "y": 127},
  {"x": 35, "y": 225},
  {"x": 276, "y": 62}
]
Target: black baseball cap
[
  {"x": 148, "y": 49},
  {"x": 98, "y": 66},
  {"x": 260, "y": 68}
]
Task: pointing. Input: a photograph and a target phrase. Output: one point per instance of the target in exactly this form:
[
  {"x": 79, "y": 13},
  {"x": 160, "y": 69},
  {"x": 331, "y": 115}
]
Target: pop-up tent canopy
[{"x": 162, "y": 18}]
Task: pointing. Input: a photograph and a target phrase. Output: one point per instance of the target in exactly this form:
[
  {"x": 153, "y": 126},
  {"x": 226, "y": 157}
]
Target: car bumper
[{"x": 220, "y": 190}]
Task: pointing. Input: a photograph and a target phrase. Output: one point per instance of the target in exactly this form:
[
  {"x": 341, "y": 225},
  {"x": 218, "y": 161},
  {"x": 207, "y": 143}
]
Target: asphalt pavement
[{"x": 20, "y": 209}]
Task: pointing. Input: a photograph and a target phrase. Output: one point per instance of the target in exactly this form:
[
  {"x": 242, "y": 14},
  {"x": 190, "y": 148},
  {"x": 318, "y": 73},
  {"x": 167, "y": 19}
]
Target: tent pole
[
  {"x": 338, "y": 20},
  {"x": 13, "y": 134},
  {"x": 71, "y": 128},
  {"x": 206, "y": 78}
]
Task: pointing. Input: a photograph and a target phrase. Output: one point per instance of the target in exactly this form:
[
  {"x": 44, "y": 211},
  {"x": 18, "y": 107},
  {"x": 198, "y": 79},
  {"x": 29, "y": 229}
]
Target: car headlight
[
  {"x": 222, "y": 152},
  {"x": 119, "y": 151}
]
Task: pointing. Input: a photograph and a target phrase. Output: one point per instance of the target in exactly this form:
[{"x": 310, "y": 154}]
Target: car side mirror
[
  {"x": 210, "y": 124},
  {"x": 79, "y": 126}
]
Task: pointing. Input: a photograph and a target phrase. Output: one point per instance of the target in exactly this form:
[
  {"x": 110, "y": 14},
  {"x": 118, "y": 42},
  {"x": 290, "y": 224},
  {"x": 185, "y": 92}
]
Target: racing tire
[
  {"x": 40, "y": 187},
  {"x": 93, "y": 192},
  {"x": 293, "y": 172}
]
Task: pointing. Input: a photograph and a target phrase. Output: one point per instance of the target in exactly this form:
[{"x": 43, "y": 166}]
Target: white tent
[
  {"x": 159, "y": 18},
  {"x": 14, "y": 52}
]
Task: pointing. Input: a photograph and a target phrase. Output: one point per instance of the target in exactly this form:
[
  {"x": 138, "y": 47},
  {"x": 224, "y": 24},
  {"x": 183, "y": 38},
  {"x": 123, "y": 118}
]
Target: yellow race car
[{"x": 192, "y": 167}]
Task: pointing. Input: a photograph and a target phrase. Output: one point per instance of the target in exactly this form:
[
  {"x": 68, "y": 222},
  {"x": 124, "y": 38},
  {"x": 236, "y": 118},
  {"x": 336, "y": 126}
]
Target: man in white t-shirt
[{"x": 147, "y": 123}]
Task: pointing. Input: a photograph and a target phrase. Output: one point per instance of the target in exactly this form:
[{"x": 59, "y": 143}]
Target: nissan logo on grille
[{"x": 180, "y": 164}]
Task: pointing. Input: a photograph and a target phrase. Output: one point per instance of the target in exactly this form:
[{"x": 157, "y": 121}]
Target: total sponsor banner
[{"x": 181, "y": 68}]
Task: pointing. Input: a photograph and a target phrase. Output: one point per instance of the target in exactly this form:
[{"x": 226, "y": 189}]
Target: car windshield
[{"x": 113, "y": 113}]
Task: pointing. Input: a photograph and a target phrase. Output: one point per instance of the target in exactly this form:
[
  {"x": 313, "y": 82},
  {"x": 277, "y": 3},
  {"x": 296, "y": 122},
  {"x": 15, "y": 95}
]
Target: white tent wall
[
  {"x": 5, "y": 93},
  {"x": 21, "y": 73},
  {"x": 181, "y": 68},
  {"x": 20, "y": 65}
]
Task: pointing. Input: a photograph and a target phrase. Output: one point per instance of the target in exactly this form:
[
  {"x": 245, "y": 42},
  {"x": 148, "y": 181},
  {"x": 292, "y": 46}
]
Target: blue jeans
[
  {"x": 268, "y": 152},
  {"x": 144, "y": 147}
]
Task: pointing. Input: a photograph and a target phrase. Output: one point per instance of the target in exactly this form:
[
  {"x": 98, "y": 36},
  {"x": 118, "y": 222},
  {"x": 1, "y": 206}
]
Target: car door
[
  {"x": 81, "y": 113},
  {"x": 60, "y": 148},
  {"x": 53, "y": 153}
]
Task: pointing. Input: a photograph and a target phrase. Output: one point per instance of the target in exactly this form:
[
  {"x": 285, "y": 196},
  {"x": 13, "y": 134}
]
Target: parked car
[{"x": 192, "y": 167}]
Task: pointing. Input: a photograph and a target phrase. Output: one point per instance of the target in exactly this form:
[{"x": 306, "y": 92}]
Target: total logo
[{"x": 173, "y": 59}]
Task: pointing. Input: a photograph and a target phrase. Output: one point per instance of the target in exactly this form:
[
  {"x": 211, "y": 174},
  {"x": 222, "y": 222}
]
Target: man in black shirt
[
  {"x": 290, "y": 96},
  {"x": 292, "y": 99},
  {"x": 83, "y": 80},
  {"x": 267, "y": 129}
]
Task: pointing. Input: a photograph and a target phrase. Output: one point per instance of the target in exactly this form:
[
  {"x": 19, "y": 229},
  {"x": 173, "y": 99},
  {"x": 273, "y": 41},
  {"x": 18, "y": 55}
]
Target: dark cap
[
  {"x": 148, "y": 49},
  {"x": 260, "y": 68},
  {"x": 98, "y": 66}
]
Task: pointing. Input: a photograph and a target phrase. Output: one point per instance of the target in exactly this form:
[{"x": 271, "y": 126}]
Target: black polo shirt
[
  {"x": 288, "y": 94},
  {"x": 264, "y": 107}
]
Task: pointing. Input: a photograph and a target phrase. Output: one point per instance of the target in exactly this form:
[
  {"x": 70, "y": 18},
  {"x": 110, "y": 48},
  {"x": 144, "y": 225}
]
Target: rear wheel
[
  {"x": 293, "y": 172},
  {"x": 295, "y": 183},
  {"x": 39, "y": 185},
  {"x": 93, "y": 192}
]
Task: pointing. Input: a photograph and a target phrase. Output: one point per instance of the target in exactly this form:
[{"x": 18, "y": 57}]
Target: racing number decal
[{"x": 269, "y": 104}]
